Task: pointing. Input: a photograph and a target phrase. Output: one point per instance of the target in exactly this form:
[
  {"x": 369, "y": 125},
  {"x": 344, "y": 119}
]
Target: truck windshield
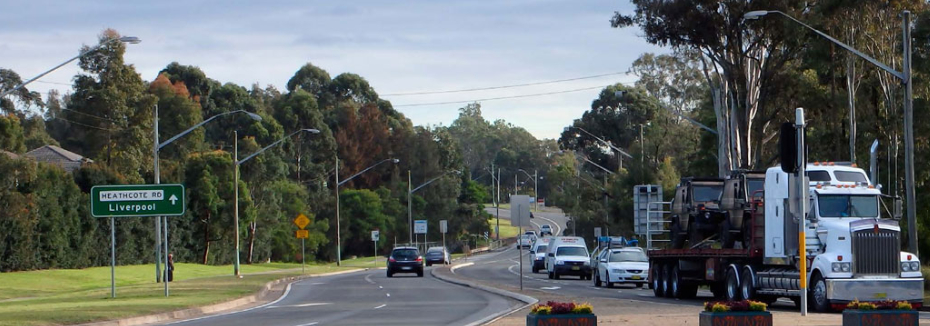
[
  {"x": 571, "y": 251},
  {"x": 848, "y": 205},
  {"x": 707, "y": 192},
  {"x": 847, "y": 176}
]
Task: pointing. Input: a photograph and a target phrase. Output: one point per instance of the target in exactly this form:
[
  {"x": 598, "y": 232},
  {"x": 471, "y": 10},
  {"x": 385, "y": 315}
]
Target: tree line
[{"x": 108, "y": 117}]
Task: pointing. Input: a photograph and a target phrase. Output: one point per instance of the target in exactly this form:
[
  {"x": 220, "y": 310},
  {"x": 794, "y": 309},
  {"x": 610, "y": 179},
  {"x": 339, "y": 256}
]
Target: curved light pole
[
  {"x": 905, "y": 77},
  {"x": 339, "y": 183},
  {"x": 124, "y": 39},
  {"x": 535, "y": 177},
  {"x": 158, "y": 220},
  {"x": 409, "y": 195},
  {"x": 237, "y": 162}
]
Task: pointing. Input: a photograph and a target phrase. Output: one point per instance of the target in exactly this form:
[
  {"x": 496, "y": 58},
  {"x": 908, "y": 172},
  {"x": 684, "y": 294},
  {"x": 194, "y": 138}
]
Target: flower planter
[
  {"x": 879, "y": 317},
  {"x": 737, "y": 318},
  {"x": 561, "y": 320}
]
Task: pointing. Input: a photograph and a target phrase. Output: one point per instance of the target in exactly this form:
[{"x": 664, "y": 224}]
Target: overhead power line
[
  {"x": 501, "y": 87},
  {"x": 90, "y": 115},
  {"x": 502, "y": 97},
  {"x": 85, "y": 125}
]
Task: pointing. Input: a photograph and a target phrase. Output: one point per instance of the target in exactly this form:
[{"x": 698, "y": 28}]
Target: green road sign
[{"x": 137, "y": 200}]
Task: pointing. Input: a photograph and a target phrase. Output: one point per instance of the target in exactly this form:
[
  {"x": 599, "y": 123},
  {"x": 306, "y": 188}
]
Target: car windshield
[
  {"x": 406, "y": 254},
  {"x": 848, "y": 205},
  {"x": 434, "y": 250},
  {"x": 542, "y": 248},
  {"x": 707, "y": 192},
  {"x": 546, "y": 226},
  {"x": 618, "y": 256},
  {"x": 571, "y": 251},
  {"x": 847, "y": 176}
]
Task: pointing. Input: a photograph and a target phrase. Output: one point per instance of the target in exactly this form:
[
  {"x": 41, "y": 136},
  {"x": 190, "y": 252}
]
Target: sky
[{"x": 398, "y": 46}]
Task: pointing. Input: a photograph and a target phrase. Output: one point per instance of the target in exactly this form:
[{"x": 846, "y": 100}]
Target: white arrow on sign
[{"x": 173, "y": 199}]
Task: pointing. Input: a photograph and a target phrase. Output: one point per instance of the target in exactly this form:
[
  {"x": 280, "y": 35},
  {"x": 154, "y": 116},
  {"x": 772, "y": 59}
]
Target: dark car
[
  {"x": 437, "y": 255},
  {"x": 405, "y": 260}
]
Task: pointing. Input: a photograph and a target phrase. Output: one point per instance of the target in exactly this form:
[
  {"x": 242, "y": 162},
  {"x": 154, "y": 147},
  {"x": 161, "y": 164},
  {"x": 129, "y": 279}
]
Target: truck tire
[
  {"x": 727, "y": 238},
  {"x": 667, "y": 280},
  {"x": 748, "y": 284},
  {"x": 658, "y": 285},
  {"x": 674, "y": 282},
  {"x": 818, "y": 294},
  {"x": 746, "y": 232},
  {"x": 678, "y": 240},
  {"x": 695, "y": 235},
  {"x": 732, "y": 292}
]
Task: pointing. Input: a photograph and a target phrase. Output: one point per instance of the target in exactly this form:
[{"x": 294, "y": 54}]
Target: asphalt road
[
  {"x": 554, "y": 218},
  {"x": 369, "y": 298}
]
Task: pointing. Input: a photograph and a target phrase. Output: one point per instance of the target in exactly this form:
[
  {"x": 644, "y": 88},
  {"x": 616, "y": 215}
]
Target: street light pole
[
  {"x": 157, "y": 147},
  {"x": 410, "y": 194},
  {"x": 237, "y": 163},
  {"x": 905, "y": 77},
  {"x": 409, "y": 211},
  {"x": 336, "y": 188}
]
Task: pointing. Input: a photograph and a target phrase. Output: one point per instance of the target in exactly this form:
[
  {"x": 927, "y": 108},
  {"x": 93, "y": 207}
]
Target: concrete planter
[
  {"x": 739, "y": 318},
  {"x": 880, "y": 317},
  {"x": 561, "y": 320}
]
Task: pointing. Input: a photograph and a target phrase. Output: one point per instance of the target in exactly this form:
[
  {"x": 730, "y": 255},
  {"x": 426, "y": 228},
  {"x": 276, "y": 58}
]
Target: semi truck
[{"x": 853, "y": 253}]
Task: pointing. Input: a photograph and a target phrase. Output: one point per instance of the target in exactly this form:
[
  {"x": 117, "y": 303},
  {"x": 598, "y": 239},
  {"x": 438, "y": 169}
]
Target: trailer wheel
[
  {"x": 674, "y": 282},
  {"x": 658, "y": 284},
  {"x": 748, "y": 285},
  {"x": 818, "y": 294},
  {"x": 732, "y": 285},
  {"x": 667, "y": 281}
]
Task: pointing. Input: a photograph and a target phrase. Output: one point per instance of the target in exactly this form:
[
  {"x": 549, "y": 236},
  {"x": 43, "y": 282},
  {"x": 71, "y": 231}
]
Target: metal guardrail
[{"x": 655, "y": 216}]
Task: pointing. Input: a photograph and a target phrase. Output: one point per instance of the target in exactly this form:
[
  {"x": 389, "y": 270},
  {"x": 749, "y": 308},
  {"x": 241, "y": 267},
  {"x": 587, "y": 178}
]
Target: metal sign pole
[
  {"x": 519, "y": 237},
  {"x": 113, "y": 257},
  {"x": 303, "y": 255},
  {"x": 167, "y": 267},
  {"x": 803, "y": 189}
]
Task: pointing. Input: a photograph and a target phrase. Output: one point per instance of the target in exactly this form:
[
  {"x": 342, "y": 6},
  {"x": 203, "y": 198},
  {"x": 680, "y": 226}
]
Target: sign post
[
  {"x": 419, "y": 227},
  {"x": 302, "y": 221},
  {"x": 443, "y": 228},
  {"x": 375, "y": 235},
  {"x": 520, "y": 217},
  {"x": 136, "y": 201}
]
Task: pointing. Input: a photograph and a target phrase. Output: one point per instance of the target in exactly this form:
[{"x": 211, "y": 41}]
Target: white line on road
[
  {"x": 368, "y": 279},
  {"x": 550, "y": 288},
  {"x": 309, "y": 324},
  {"x": 388, "y": 294},
  {"x": 381, "y": 306},
  {"x": 380, "y": 287},
  {"x": 303, "y": 305}
]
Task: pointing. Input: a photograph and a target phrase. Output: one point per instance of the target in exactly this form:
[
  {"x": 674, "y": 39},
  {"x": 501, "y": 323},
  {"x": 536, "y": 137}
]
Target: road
[
  {"x": 553, "y": 217},
  {"x": 369, "y": 298}
]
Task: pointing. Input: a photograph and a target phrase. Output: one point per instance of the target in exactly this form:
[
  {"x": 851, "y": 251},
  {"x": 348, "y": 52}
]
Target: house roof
[
  {"x": 9, "y": 154},
  {"x": 52, "y": 152}
]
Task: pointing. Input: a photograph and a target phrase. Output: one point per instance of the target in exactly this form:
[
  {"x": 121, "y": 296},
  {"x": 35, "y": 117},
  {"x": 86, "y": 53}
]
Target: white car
[
  {"x": 545, "y": 229},
  {"x": 526, "y": 241},
  {"x": 625, "y": 265}
]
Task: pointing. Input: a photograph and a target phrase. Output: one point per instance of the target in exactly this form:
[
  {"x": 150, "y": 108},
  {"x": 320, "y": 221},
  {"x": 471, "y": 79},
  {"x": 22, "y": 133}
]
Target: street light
[
  {"x": 236, "y": 163},
  {"x": 155, "y": 148},
  {"x": 611, "y": 146},
  {"x": 410, "y": 194},
  {"x": 905, "y": 77},
  {"x": 339, "y": 183},
  {"x": 124, "y": 39},
  {"x": 535, "y": 177}
]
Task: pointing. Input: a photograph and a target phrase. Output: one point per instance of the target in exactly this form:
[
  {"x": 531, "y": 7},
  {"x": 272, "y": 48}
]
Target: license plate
[
  {"x": 575, "y": 268},
  {"x": 637, "y": 277},
  {"x": 406, "y": 268},
  {"x": 881, "y": 295}
]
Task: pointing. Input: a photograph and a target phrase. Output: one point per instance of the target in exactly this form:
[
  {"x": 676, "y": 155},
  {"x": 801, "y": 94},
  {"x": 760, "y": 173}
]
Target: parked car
[
  {"x": 568, "y": 256},
  {"x": 405, "y": 260},
  {"x": 437, "y": 255},
  {"x": 545, "y": 229},
  {"x": 525, "y": 241},
  {"x": 626, "y": 265},
  {"x": 538, "y": 253}
]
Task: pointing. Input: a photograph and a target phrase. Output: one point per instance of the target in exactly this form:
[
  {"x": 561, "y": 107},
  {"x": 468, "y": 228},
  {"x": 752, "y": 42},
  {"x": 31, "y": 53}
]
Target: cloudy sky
[{"x": 398, "y": 46}]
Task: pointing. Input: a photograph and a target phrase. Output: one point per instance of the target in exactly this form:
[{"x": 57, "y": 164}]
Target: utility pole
[
  {"x": 536, "y": 189},
  {"x": 909, "y": 135},
  {"x": 409, "y": 209},
  {"x": 498, "y": 231},
  {"x": 338, "y": 239},
  {"x": 236, "y": 197}
]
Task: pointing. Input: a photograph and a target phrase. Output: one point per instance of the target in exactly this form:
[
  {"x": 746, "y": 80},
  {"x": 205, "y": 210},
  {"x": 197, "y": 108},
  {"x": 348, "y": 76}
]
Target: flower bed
[
  {"x": 735, "y": 313},
  {"x": 561, "y": 313},
  {"x": 889, "y": 312}
]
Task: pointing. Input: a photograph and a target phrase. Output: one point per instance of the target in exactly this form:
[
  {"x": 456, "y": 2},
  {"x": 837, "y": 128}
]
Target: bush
[
  {"x": 583, "y": 309},
  {"x": 880, "y": 305},
  {"x": 562, "y": 308},
  {"x": 744, "y": 305},
  {"x": 542, "y": 310}
]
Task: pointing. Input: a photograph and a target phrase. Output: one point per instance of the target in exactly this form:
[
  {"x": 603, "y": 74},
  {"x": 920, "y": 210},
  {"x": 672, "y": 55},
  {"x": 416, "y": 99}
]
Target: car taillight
[
  {"x": 392, "y": 260},
  {"x": 419, "y": 259}
]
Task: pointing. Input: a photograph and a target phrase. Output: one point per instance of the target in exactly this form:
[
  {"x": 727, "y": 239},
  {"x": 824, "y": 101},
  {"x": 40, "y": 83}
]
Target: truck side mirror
[
  {"x": 551, "y": 254},
  {"x": 898, "y": 204}
]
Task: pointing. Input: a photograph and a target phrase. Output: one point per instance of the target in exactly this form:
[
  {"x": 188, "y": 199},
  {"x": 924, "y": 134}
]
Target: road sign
[
  {"x": 375, "y": 235},
  {"x": 302, "y": 234},
  {"x": 597, "y": 232},
  {"x": 301, "y": 221},
  {"x": 137, "y": 200},
  {"x": 419, "y": 226},
  {"x": 443, "y": 226},
  {"x": 520, "y": 210},
  {"x": 485, "y": 235}
]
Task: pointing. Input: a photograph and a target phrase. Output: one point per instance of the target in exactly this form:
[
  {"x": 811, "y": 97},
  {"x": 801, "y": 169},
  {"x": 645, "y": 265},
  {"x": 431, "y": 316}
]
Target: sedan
[
  {"x": 626, "y": 265},
  {"x": 437, "y": 255},
  {"x": 405, "y": 260}
]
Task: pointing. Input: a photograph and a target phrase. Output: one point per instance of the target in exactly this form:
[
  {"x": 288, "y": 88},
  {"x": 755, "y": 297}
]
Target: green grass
[
  {"x": 507, "y": 231},
  {"x": 51, "y": 297},
  {"x": 503, "y": 206}
]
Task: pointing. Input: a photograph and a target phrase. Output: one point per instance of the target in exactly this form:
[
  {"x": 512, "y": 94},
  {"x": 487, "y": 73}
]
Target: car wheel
[
  {"x": 727, "y": 239},
  {"x": 429, "y": 264},
  {"x": 678, "y": 240},
  {"x": 597, "y": 280},
  {"x": 818, "y": 294},
  {"x": 639, "y": 285},
  {"x": 550, "y": 275},
  {"x": 746, "y": 232},
  {"x": 695, "y": 236},
  {"x": 420, "y": 274},
  {"x": 609, "y": 283},
  {"x": 389, "y": 274},
  {"x": 555, "y": 275},
  {"x": 535, "y": 270}
]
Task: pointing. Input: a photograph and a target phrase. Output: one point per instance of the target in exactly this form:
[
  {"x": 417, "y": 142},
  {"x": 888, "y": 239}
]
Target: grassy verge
[
  {"x": 503, "y": 206},
  {"x": 506, "y": 230},
  {"x": 55, "y": 297}
]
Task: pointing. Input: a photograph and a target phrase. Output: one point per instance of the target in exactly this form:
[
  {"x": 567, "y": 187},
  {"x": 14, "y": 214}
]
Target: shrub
[
  {"x": 542, "y": 310},
  {"x": 757, "y": 306},
  {"x": 582, "y": 309},
  {"x": 744, "y": 305},
  {"x": 879, "y": 305},
  {"x": 562, "y": 308}
]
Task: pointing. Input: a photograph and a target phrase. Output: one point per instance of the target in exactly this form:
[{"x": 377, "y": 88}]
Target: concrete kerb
[
  {"x": 528, "y": 300},
  {"x": 219, "y": 307}
]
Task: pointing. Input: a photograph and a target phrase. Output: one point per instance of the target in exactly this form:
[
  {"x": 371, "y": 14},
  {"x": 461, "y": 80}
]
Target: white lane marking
[
  {"x": 388, "y": 294},
  {"x": 550, "y": 288},
  {"x": 380, "y": 287},
  {"x": 303, "y": 305},
  {"x": 309, "y": 324},
  {"x": 317, "y": 283},
  {"x": 287, "y": 291},
  {"x": 381, "y": 306},
  {"x": 368, "y": 279}
]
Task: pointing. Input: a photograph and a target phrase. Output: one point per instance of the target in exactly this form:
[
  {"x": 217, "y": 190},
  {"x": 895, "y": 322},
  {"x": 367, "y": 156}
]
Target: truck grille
[{"x": 876, "y": 251}]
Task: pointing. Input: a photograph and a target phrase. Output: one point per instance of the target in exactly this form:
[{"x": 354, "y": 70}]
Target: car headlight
[
  {"x": 910, "y": 266},
  {"x": 915, "y": 266},
  {"x": 559, "y": 262},
  {"x": 841, "y": 267},
  {"x": 586, "y": 263},
  {"x": 616, "y": 271}
]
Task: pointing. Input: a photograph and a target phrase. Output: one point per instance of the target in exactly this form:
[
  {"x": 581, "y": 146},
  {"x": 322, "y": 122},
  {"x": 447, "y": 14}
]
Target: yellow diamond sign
[{"x": 301, "y": 221}]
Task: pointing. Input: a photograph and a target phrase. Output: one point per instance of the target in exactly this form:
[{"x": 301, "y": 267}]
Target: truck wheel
[
  {"x": 658, "y": 284},
  {"x": 674, "y": 282},
  {"x": 746, "y": 232},
  {"x": 818, "y": 294},
  {"x": 726, "y": 237},
  {"x": 732, "y": 286},
  {"x": 747, "y": 287},
  {"x": 678, "y": 240},
  {"x": 667, "y": 280},
  {"x": 695, "y": 236}
]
